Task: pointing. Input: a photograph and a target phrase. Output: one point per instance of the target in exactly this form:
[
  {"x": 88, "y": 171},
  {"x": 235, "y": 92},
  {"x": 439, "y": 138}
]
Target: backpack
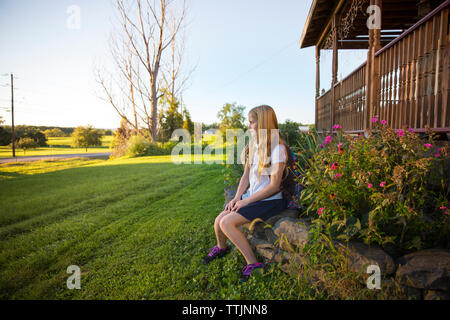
[{"x": 290, "y": 189}]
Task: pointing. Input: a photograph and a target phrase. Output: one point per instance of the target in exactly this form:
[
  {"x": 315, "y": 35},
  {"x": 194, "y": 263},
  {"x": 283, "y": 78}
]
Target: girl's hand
[
  {"x": 230, "y": 204},
  {"x": 239, "y": 204}
]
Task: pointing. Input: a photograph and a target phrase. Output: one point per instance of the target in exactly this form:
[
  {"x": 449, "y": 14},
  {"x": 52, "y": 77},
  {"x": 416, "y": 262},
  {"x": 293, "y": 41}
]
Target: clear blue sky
[{"x": 246, "y": 51}]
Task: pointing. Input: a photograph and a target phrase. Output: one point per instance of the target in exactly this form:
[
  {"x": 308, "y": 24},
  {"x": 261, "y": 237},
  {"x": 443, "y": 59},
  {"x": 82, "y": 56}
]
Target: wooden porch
[{"x": 405, "y": 79}]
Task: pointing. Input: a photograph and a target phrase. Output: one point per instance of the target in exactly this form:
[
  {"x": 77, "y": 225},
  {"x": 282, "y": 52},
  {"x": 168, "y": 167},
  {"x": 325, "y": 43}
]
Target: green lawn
[
  {"x": 57, "y": 145},
  {"x": 137, "y": 228}
]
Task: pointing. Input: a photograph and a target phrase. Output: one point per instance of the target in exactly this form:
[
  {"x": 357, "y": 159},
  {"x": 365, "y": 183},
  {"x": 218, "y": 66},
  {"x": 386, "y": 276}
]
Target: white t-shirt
[{"x": 278, "y": 155}]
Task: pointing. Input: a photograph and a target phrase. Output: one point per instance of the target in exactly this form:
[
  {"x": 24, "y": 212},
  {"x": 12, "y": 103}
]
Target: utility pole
[{"x": 12, "y": 117}]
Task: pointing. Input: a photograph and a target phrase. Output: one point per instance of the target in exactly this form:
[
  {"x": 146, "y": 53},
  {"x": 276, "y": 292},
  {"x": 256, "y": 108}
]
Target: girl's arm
[
  {"x": 272, "y": 188},
  {"x": 244, "y": 182}
]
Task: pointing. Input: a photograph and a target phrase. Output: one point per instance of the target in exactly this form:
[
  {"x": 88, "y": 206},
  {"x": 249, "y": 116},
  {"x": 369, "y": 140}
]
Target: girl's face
[{"x": 252, "y": 123}]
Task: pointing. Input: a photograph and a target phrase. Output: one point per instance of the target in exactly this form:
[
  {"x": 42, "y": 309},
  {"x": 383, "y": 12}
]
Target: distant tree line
[{"x": 39, "y": 133}]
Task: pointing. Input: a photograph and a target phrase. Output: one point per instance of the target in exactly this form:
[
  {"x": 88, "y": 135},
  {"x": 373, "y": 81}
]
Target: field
[
  {"x": 57, "y": 145},
  {"x": 137, "y": 228}
]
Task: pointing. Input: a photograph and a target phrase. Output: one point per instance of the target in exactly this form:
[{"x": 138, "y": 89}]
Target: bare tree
[
  {"x": 174, "y": 79},
  {"x": 147, "y": 30}
]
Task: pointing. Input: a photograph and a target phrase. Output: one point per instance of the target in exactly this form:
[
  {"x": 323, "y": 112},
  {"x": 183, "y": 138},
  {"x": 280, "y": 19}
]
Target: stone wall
[{"x": 424, "y": 274}]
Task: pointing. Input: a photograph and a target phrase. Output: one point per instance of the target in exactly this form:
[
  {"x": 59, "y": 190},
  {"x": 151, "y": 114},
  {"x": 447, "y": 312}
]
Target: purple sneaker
[
  {"x": 215, "y": 252},
  {"x": 248, "y": 269}
]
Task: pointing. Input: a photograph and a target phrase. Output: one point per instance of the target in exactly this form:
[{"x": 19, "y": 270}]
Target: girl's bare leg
[
  {"x": 221, "y": 237},
  {"x": 228, "y": 226}
]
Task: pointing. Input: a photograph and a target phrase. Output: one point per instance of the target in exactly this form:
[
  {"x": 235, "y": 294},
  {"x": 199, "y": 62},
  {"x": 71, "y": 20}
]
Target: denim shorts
[{"x": 263, "y": 209}]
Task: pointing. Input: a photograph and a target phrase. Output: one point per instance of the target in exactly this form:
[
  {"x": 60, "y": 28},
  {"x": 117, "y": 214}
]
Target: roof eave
[{"x": 306, "y": 27}]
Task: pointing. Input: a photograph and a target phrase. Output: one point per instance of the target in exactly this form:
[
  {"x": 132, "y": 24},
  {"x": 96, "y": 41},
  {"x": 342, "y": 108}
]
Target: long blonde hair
[{"x": 267, "y": 121}]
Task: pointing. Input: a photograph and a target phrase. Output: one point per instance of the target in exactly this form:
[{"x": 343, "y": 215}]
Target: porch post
[
  {"x": 317, "y": 83},
  {"x": 374, "y": 101},
  {"x": 369, "y": 75},
  {"x": 334, "y": 70}
]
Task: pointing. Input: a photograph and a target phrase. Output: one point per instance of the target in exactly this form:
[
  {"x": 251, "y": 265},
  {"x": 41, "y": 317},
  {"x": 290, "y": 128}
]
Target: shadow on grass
[{"x": 9, "y": 175}]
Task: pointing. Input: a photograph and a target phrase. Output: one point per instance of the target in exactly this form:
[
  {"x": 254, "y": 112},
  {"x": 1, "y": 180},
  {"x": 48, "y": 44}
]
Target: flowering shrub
[{"x": 377, "y": 189}]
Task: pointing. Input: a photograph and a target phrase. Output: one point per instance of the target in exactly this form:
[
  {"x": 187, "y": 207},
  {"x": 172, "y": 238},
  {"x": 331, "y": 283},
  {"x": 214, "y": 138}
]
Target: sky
[{"x": 245, "y": 52}]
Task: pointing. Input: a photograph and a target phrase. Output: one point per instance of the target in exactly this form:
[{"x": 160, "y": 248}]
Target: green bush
[
  {"x": 137, "y": 146},
  {"x": 378, "y": 189},
  {"x": 157, "y": 149},
  {"x": 289, "y": 131}
]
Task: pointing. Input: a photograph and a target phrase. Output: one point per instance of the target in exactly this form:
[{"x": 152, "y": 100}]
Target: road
[{"x": 55, "y": 156}]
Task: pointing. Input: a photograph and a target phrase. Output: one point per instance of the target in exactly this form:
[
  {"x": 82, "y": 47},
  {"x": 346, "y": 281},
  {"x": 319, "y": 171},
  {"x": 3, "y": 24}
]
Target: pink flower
[
  {"x": 339, "y": 146},
  {"x": 376, "y": 116},
  {"x": 445, "y": 209},
  {"x": 383, "y": 121},
  {"x": 336, "y": 126},
  {"x": 374, "y": 120},
  {"x": 382, "y": 184},
  {"x": 411, "y": 130},
  {"x": 338, "y": 175},
  {"x": 327, "y": 140},
  {"x": 334, "y": 166},
  {"x": 401, "y": 133},
  {"x": 368, "y": 173},
  {"x": 320, "y": 210},
  {"x": 428, "y": 145},
  {"x": 436, "y": 155},
  {"x": 369, "y": 186}
]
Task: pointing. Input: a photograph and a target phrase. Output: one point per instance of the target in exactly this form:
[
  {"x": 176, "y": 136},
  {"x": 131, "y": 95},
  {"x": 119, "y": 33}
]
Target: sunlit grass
[
  {"x": 136, "y": 227},
  {"x": 57, "y": 145}
]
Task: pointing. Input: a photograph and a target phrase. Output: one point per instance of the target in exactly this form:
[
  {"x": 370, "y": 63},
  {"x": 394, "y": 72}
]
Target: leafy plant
[{"x": 377, "y": 189}]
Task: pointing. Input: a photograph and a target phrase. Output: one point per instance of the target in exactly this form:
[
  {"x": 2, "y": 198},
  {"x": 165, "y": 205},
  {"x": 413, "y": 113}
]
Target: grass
[
  {"x": 57, "y": 145},
  {"x": 137, "y": 228}
]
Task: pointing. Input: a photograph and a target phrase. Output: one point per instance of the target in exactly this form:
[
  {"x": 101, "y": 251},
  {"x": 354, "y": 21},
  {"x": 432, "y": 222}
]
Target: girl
[{"x": 263, "y": 169}]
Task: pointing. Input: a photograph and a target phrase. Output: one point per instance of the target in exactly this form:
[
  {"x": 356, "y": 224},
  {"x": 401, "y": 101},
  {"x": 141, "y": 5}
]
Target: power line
[{"x": 256, "y": 66}]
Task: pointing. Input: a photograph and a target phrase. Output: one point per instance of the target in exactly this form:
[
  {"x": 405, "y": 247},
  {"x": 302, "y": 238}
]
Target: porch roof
[{"x": 397, "y": 16}]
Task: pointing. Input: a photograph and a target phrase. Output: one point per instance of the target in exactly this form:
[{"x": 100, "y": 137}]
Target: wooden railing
[{"x": 412, "y": 86}]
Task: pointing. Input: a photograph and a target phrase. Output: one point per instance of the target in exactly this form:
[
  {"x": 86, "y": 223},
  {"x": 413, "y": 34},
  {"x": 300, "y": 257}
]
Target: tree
[
  {"x": 25, "y": 143},
  {"x": 37, "y": 135},
  {"x": 84, "y": 137},
  {"x": 5, "y": 137},
  {"x": 171, "y": 119},
  {"x": 55, "y": 132},
  {"x": 188, "y": 124},
  {"x": 231, "y": 117},
  {"x": 139, "y": 52}
]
